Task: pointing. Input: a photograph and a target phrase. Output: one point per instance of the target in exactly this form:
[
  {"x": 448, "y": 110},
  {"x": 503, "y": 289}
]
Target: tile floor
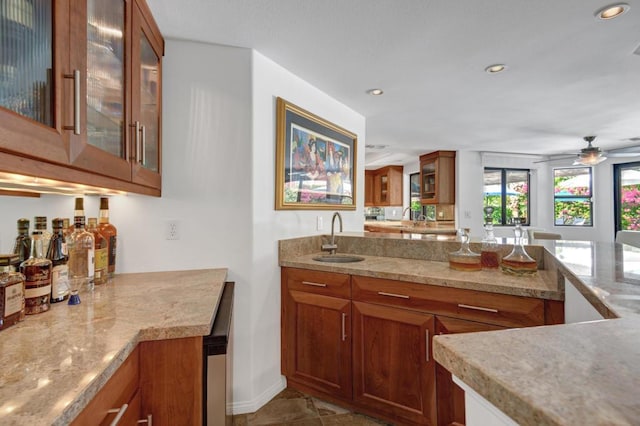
[{"x": 294, "y": 408}]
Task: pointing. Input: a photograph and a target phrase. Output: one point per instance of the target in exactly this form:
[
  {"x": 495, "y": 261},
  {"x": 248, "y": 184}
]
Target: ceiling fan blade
[
  {"x": 622, "y": 154},
  {"x": 627, "y": 151},
  {"x": 556, "y": 158}
]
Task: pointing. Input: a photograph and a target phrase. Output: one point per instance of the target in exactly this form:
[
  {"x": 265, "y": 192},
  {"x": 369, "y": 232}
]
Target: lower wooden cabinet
[
  {"x": 366, "y": 342},
  {"x": 161, "y": 383},
  {"x": 393, "y": 370}
]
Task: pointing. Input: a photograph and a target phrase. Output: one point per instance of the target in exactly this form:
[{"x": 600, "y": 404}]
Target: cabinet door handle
[
  {"x": 137, "y": 140},
  {"x": 427, "y": 344},
  {"x": 477, "y": 308},
  {"x": 76, "y": 102},
  {"x": 143, "y": 148},
  {"x": 314, "y": 284},
  {"x": 120, "y": 412},
  {"x": 401, "y": 296},
  {"x": 148, "y": 420},
  {"x": 344, "y": 327}
]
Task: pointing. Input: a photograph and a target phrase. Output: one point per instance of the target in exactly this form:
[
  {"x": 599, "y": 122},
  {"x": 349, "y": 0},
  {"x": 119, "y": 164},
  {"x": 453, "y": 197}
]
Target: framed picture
[{"x": 315, "y": 162}]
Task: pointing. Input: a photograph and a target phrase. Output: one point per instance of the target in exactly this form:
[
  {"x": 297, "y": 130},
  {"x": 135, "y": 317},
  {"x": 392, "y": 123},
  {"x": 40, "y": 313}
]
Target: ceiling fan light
[{"x": 589, "y": 160}]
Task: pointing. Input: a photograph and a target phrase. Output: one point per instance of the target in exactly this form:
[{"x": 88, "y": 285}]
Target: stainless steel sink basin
[{"x": 339, "y": 258}]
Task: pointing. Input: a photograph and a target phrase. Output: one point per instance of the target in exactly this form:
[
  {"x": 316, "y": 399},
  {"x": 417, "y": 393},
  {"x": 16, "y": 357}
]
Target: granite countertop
[
  {"x": 55, "y": 362},
  {"x": 542, "y": 286}
]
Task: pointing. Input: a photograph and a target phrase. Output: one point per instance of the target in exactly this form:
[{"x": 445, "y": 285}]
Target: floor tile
[
  {"x": 351, "y": 419},
  {"x": 327, "y": 409},
  {"x": 283, "y": 411}
]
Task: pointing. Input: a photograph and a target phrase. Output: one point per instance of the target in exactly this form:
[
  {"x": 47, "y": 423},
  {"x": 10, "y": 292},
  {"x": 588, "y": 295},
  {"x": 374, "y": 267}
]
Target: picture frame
[{"x": 315, "y": 161}]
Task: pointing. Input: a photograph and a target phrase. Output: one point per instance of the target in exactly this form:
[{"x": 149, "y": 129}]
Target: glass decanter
[
  {"x": 518, "y": 262},
  {"x": 490, "y": 252},
  {"x": 464, "y": 259}
]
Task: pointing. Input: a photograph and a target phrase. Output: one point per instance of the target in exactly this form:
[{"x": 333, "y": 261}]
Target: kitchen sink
[{"x": 338, "y": 258}]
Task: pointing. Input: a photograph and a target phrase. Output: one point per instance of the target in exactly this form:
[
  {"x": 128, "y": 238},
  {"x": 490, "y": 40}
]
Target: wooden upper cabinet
[
  {"x": 369, "y": 178},
  {"x": 438, "y": 177},
  {"x": 92, "y": 112},
  {"x": 383, "y": 187}
]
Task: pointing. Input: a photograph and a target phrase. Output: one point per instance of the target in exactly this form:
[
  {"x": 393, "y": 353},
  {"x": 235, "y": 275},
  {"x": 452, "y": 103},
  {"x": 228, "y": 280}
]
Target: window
[
  {"x": 627, "y": 196},
  {"x": 572, "y": 192},
  {"x": 507, "y": 191}
]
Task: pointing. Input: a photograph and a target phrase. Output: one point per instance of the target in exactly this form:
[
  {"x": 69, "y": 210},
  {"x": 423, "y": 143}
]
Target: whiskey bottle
[
  {"x": 81, "y": 257},
  {"x": 11, "y": 292},
  {"x": 57, "y": 254},
  {"x": 22, "y": 246},
  {"x": 37, "y": 275},
  {"x": 100, "y": 251},
  {"x": 110, "y": 233},
  {"x": 40, "y": 223}
]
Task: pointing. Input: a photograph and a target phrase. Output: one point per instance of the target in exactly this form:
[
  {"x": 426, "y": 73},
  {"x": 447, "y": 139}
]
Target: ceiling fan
[{"x": 592, "y": 155}]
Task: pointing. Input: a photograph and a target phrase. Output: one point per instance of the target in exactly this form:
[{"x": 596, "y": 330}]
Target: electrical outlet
[
  {"x": 319, "y": 224},
  {"x": 172, "y": 230},
  {"x": 467, "y": 214}
]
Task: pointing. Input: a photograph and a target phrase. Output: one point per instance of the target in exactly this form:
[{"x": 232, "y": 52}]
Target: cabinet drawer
[
  {"x": 491, "y": 308},
  {"x": 319, "y": 282},
  {"x": 119, "y": 390}
]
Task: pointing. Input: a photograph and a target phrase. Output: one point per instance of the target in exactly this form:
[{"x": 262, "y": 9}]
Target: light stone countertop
[
  {"x": 55, "y": 362},
  {"x": 543, "y": 285}
]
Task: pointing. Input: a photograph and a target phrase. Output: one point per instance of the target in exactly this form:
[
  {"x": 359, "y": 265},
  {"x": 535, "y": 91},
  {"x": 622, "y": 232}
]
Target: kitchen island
[
  {"x": 585, "y": 373},
  {"x": 54, "y": 363}
]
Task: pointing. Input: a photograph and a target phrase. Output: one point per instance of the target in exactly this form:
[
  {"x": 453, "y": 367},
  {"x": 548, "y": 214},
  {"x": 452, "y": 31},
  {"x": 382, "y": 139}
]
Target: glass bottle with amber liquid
[
  {"x": 22, "y": 246},
  {"x": 11, "y": 292},
  {"x": 57, "y": 254},
  {"x": 100, "y": 251},
  {"x": 110, "y": 233},
  {"x": 81, "y": 258},
  {"x": 37, "y": 275},
  {"x": 490, "y": 251}
]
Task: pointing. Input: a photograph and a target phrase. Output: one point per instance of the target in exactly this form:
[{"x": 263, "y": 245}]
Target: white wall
[{"x": 269, "y": 80}]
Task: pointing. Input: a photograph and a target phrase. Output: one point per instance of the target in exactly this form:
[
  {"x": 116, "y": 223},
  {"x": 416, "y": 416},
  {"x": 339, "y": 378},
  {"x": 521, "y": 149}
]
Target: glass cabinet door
[
  {"x": 106, "y": 75},
  {"x": 26, "y": 58},
  {"x": 149, "y": 104}
]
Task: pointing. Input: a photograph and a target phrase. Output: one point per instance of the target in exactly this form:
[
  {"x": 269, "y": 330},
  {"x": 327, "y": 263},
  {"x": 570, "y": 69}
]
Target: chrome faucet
[
  {"x": 404, "y": 211},
  {"x": 332, "y": 247}
]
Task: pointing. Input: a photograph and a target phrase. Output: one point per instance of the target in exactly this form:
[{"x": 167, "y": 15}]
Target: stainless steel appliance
[{"x": 217, "y": 367}]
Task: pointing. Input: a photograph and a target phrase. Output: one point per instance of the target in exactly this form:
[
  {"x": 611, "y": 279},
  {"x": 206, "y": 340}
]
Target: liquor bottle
[
  {"x": 465, "y": 259},
  {"x": 40, "y": 223},
  {"x": 80, "y": 246},
  {"x": 66, "y": 231},
  {"x": 490, "y": 253},
  {"x": 22, "y": 246},
  {"x": 37, "y": 276},
  {"x": 100, "y": 251},
  {"x": 57, "y": 254},
  {"x": 78, "y": 210},
  {"x": 110, "y": 233},
  {"x": 11, "y": 292}
]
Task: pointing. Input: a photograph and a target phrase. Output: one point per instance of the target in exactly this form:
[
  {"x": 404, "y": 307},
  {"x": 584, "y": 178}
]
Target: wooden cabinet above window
[
  {"x": 438, "y": 177},
  {"x": 383, "y": 187},
  {"x": 84, "y": 103}
]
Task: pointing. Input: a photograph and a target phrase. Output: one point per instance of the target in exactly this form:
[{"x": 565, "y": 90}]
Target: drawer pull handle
[
  {"x": 477, "y": 308},
  {"x": 427, "y": 344},
  {"x": 148, "y": 420},
  {"x": 401, "y": 296},
  {"x": 344, "y": 328},
  {"x": 120, "y": 412},
  {"x": 314, "y": 284}
]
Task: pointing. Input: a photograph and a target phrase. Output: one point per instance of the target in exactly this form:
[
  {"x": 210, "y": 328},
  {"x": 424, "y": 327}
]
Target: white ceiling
[{"x": 569, "y": 74}]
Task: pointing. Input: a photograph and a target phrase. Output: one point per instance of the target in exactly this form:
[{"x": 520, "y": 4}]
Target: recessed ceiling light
[
  {"x": 375, "y": 92},
  {"x": 612, "y": 11},
  {"x": 495, "y": 68}
]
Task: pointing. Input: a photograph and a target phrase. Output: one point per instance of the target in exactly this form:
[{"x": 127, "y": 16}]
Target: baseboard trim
[{"x": 251, "y": 406}]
